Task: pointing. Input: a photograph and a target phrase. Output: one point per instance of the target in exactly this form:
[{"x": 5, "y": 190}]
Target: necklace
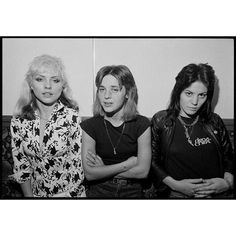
[
  {"x": 114, "y": 147},
  {"x": 186, "y": 126}
]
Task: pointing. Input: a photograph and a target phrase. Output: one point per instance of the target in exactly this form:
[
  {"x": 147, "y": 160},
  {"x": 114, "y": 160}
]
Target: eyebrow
[
  {"x": 55, "y": 76},
  {"x": 112, "y": 86},
  {"x": 187, "y": 90}
]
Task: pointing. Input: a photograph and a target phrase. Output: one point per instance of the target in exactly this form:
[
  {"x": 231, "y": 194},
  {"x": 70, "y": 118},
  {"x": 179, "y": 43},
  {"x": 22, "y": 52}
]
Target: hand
[
  {"x": 188, "y": 186},
  {"x": 93, "y": 160},
  {"x": 212, "y": 186}
]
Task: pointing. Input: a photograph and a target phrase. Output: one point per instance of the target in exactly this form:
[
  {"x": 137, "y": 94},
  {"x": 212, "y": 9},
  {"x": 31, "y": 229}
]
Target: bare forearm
[
  {"x": 26, "y": 188},
  {"x": 171, "y": 182},
  {"x": 135, "y": 172},
  {"x": 100, "y": 172}
]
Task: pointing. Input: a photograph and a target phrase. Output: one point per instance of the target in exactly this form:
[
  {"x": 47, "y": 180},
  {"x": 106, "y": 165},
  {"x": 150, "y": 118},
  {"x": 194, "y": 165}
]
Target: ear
[{"x": 126, "y": 96}]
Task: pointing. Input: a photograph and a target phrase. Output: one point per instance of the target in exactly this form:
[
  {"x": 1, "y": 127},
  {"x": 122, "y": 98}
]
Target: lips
[
  {"x": 47, "y": 94},
  {"x": 193, "y": 108},
  {"x": 107, "y": 104}
]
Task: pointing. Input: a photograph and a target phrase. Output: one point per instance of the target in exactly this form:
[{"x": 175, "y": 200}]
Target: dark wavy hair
[
  {"x": 188, "y": 75},
  {"x": 126, "y": 79}
]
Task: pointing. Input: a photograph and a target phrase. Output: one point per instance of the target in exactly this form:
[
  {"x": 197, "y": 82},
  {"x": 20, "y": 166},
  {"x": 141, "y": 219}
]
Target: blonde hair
[{"x": 26, "y": 103}]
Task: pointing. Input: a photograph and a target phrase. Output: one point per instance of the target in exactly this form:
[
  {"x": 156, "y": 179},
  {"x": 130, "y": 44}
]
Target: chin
[
  {"x": 48, "y": 102},
  {"x": 108, "y": 110},
  {"x": 191, "y": 113}
]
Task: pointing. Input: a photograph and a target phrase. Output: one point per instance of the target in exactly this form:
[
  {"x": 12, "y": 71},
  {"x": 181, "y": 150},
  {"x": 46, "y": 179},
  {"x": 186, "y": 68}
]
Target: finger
[
  {"x": 98, "y": 157},
  {"x": 88, "y": 157},
  {"x": 195, "y": 181},
  {"x": 208, "y": 192},
  {"x": 205, "y": 188},
  {"x": 92, "y": 153},
  {"x": 210, "y": 181},
  {"x": 89, "y": 163},
  {"x": 198, "y": 186},
  {"x": 201, "y": 195}
]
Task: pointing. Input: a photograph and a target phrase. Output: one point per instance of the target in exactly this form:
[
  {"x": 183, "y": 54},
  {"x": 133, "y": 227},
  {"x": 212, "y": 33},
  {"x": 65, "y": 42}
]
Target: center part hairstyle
[
  {"x": 188, "y": 75},
  {"x": 126, "y": 79},
  {"x": 26, "y": 104}
]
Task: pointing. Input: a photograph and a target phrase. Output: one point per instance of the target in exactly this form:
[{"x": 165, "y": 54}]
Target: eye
[
  {"x": 115, "y": 90},
  {"x": 56, "y": 80},
  {"x": 188, "y": 93},
  {"x": 101, "y": 89},
  {"x": 202, "y": 95},
  {"x": 38, "y": 79}
]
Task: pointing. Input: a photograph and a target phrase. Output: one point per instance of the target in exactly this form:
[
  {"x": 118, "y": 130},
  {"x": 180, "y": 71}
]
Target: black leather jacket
[{"x": 162, "y": 135}]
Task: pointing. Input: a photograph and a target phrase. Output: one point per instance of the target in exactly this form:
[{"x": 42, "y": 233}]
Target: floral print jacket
[{"x": 55, "y": 167}]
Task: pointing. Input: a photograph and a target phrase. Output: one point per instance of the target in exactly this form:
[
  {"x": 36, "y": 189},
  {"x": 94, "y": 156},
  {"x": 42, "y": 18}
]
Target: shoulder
[
  {"x": 143, "y": 119},
  {"x": 20, "y": 125},
  {"x": 216, "y": 120},
  {"x": 71, "y": 113},
  {"x": 158, "y": 117},
  {"x": 91, "y": 122},
  {"x": 215, "y": 116},
  {"x": 18, "y": 120},
  {"x": 139, "y": 125},
  {"x": 160, "y": 114}
]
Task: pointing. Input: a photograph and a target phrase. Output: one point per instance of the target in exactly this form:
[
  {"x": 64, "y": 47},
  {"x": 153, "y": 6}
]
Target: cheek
[
  {"x": 182, "y": 102},
  {"x": 99, "y": 96},
  {"x": 120, "y": 100},
  {"x": 36, "y": 88},
  {"x": 202, "y": 102},
  {"x": 59, "y": 89}
]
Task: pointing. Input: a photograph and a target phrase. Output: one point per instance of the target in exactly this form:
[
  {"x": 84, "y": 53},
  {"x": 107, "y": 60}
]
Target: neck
[
  {"x": 188, "y": 116},
  {"x": 44, "y": 110},
  {"x": 116, "y": 119}
]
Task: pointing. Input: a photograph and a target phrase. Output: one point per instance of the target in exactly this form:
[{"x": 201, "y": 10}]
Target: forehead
[
  {"x": 109, "y": 80},
  {"x": 47, "y": 70},
  {"x": 197, "y": 87}
]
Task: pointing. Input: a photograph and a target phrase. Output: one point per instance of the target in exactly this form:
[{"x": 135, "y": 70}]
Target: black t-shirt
[
  {"x": 186, "y": 161},
  {"x": 127, "y": 145}
]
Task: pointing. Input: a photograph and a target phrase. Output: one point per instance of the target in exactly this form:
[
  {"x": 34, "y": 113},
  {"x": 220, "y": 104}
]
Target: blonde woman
[{"x": 46, "y": 133}]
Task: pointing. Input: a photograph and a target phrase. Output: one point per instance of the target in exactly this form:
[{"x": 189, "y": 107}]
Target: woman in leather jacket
[{"x": 192, "y": 156}]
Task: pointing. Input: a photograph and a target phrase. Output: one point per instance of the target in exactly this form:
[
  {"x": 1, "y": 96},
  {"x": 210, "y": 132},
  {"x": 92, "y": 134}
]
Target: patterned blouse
[{"x": 56, "y": 167}]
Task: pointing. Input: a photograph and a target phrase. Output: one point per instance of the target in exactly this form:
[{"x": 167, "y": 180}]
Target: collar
[{"x": 57, "y": 106}]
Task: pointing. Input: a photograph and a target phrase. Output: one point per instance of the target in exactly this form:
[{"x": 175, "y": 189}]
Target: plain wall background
[
  {"x": 154, "y": 62},
  {"x": 76, "y": 54}
]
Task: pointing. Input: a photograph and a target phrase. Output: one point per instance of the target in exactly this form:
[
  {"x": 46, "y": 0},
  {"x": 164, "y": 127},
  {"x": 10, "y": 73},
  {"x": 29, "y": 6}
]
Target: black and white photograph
[
  {"x": 138, "y": 118},
  {"x": 117, "y": 117}
]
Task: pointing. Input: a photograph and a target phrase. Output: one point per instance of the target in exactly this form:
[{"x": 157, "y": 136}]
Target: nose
[
  {"x": 47, "y": 84},
  {"x": 195, "y": 100},
  {"x": 107, "y": 94}
]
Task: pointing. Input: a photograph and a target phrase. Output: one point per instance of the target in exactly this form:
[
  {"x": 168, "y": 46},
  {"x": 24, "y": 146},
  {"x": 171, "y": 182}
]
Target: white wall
[
  {"x": 77, "y": 55},
  {"x": 154, "y": 62}
]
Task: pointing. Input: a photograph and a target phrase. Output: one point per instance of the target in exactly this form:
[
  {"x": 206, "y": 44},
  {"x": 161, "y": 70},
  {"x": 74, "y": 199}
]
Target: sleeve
[
  {"x": 226, "y": 147},
  {"x": 77, "y": 172},
  {"x": 88, "y": 127},
  {"x": 22, "y": 168},
  {"x": 143, "y": 124},
  {"x": 157, "y": 170}
]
